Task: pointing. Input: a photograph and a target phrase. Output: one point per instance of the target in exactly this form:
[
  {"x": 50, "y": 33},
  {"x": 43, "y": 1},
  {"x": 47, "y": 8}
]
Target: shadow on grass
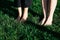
[
  {"x": 8, "y": 8},
  {"x": 44, "y": 29},
  {"x": 36, "y": 14}
]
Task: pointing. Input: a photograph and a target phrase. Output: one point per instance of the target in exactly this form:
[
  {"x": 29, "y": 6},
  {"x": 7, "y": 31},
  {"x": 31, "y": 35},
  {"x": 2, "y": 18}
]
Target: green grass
[{"x": 13, "y": 30}]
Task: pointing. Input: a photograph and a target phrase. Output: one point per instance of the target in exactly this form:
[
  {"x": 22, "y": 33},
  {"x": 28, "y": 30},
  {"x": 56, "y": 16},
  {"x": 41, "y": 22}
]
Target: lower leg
[
  {"x": 25, "y": 13},
  {"x": 20, "y": 13},
  {"x": 44, "y": 5},
  {"x": 52, "y": 9}
]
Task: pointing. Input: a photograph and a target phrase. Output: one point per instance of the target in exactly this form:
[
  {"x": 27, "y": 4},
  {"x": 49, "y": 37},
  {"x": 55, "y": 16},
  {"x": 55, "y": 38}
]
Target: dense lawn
[{"x": 10, "y": 29}]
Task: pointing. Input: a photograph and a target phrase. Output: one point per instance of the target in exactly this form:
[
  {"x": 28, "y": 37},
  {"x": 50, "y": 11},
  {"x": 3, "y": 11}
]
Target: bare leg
[
  {"x": 44, "y": 5},
  {"x": 25, "y": 14},
  {"x": 48, "y": 9},
  {"x": 52, "y": 9},
  {"x": 20, "y": 13}
]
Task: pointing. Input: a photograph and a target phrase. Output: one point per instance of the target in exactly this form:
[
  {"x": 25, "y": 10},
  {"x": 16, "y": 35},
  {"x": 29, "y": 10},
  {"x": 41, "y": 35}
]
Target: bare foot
[
  {"x": 42, "y": 22},
  {"x": 24, "y": 18},
  {"x": 48, "y": 22},
  {"x": 18, "y": 18}
]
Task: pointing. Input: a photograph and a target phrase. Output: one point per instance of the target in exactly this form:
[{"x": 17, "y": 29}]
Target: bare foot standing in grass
[
  {"x": 23, "y": 6},
  {"x": 48, "y": 10}
]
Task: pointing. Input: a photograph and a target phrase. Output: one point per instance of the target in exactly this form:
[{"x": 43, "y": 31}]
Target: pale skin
[
  {"x": 48, "y": 10},
  {"x": 25, "y": 14}
]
